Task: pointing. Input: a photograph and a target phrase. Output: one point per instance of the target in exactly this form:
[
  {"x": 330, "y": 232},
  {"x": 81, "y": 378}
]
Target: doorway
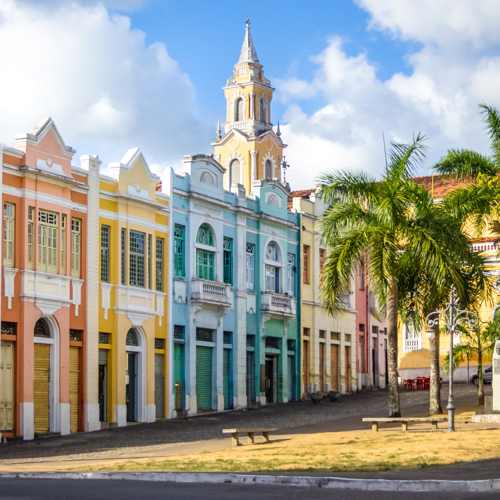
[
  {"x": 131, "y": 386},
  {"x": 250, "y": 377},
  {"x": 7, "y": 388},
  {"x": 103, "y": 385},
  {"x": 270, "y": 378}
]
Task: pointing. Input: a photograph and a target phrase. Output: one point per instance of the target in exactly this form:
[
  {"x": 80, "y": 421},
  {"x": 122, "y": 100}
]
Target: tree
[
  {"x": 384, "y": 221},
  {"x": 478, "y": 342}
]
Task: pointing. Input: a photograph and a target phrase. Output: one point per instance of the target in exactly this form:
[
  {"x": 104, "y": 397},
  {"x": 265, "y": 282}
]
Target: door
[
  {"x": 131, "y": 381},
  {"x": 159, "y": 386},
  {"x": 290, "y": 378},
  {"x": 178, "y": 371},
  {"x": 373, "y": 364},
  {"x": 334, "y": 359},
  {"x": 305, "y": 365},
  {"x": 204, "y": 377},
  {"x": 41, "y": 387},
  {"x": 321, "y": 367},
  {"x": 269, "y": 380},
  {"x": 7, "y": 388},
  {"x": 74, "y": 386},
  {"x": 250, "y": 377},
  {"x": 225, "y": 379},
  {"x": 103, "y": 385},
  {"x": 347, "y": 362}
]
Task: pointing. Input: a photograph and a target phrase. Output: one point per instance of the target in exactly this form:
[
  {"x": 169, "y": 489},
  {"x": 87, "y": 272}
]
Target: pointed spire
[
  {"x": 219, "y": 134},
  {"x": 248, "y": 53},
  {"x": 278, "y": 131}
]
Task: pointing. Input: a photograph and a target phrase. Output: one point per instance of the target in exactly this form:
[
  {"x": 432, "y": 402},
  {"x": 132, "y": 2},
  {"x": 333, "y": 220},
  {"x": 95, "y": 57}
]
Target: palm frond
[
  {"x": 491, "y": 117},
  {"x": 462, "y": 163},
  {"x": 346, "y": 186}
]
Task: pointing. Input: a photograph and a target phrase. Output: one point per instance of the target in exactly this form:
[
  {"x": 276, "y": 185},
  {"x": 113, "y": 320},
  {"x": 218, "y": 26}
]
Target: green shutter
[
  {"x": 178, "y": 363},
  {"x": 290, "y": 378},
  {"x": 226, "y": 378},
  {"x": 228, "y": 261},
  {"x": 179, "y": 250},
  {"x": 204, "y": 377},
  {"x": 205, "y": 265}
]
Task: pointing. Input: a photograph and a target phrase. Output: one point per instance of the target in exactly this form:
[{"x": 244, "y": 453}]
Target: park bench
[
  {"x": 250, "y": 433},
  {"x": 405, "y": 421}
]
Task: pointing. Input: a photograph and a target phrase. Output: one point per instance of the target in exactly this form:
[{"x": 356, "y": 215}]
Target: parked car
[{"x": 487, "y": 376}]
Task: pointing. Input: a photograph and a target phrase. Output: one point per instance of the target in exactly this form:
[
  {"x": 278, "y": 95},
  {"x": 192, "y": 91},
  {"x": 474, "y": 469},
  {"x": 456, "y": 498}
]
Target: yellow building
[
  {"x": 328, "y": 343},
  {"x": 250, "y": 149},
  {"x": 134, "y": 223}
]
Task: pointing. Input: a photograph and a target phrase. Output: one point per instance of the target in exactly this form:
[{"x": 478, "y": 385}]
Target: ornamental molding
[
  {"x": 206, "y": 210},
  {"x": 9, "y": 275},
  {"x": 270, "y": 157},
  {"x": 237, "y": 95}
]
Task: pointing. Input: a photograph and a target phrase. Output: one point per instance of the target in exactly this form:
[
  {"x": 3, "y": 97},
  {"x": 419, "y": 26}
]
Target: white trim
[
  {"x": 140, "y": 409},
  {"x": 131, "y": 157},
  {"x": 47, "y": 198},
  {"x": 131, "y": 219},
  {"x": 270, "y": 157}
]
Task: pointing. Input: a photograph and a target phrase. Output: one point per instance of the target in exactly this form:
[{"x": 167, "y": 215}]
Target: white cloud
[
  {"x": 122, "y": 5},
  {"x": 105, "y": 88},
  {"x": 450, "y": 75}
]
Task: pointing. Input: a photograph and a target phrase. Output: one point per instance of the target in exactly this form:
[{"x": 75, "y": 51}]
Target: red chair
[
  {"x": 420, "y": 382},
  {"x": 410, "y": 385},
  {"x": 440, "y": 382},
  {"x": 427, "y": 383}
]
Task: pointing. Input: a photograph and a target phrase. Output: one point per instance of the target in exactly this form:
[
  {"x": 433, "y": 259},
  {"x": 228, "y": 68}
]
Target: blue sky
[{"x": 150, "y": 74}]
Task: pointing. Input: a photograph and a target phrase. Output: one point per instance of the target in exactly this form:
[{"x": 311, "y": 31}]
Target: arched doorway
[
  {"x": 135, "y": 376},
  {"x": 46, "y": 377}
]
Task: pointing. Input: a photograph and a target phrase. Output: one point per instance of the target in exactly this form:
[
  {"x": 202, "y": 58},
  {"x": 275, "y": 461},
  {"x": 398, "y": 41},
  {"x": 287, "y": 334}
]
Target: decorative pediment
[{"x": 132, "y": 156}]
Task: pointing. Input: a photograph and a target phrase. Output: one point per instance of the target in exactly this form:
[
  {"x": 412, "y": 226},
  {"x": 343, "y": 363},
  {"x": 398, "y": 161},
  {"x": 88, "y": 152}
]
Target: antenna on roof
[{"x": 385, "y": 151}]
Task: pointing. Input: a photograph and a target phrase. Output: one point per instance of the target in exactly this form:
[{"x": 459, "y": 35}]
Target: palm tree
[
  {"x": 384, "y": 221},
  {"x": 463, "y": 163},
  {"x": 478, "y": 342}
]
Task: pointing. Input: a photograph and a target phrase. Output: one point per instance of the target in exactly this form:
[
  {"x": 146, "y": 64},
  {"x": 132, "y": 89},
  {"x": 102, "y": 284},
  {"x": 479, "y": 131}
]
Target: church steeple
[{"x": 249, "y": 149}]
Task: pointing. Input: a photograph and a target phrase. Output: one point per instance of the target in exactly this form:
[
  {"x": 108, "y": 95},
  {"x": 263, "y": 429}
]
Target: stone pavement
[{"x": 204, "y": 433}]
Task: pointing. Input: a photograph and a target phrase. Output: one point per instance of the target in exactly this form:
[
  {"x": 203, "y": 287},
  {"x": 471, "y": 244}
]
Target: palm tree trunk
[
  {"x": 480, "y": 390},
  {"x": 392, "y": 326},
  {"x": 435, "y": 386}
]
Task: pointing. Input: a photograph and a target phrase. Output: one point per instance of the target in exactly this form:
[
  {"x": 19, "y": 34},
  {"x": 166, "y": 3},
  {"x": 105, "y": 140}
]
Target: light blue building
[{"x": 235, "y": 292}]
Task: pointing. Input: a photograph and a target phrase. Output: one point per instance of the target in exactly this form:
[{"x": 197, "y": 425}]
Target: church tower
[{"x": 249, "y": 150}]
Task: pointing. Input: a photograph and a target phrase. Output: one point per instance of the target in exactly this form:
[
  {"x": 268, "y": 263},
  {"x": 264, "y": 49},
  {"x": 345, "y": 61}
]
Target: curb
[{"x": 487, "y": 485}]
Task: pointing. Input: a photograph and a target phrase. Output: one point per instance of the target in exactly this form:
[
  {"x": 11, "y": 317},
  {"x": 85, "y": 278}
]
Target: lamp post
[{"x": 451, "y": 317}]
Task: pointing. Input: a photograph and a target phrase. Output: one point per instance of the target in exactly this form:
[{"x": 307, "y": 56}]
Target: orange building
[{"x": 43, "y": 287}]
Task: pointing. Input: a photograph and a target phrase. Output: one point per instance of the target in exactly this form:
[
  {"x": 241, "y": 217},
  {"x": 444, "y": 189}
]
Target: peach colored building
[{"x": 44, "y": 309}]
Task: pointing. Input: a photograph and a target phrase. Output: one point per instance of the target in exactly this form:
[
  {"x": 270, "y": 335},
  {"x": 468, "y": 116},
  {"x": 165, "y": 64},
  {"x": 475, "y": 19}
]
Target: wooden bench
[
  {"x": 250, "y": 433},
  {"x": 404, "y": 421}
]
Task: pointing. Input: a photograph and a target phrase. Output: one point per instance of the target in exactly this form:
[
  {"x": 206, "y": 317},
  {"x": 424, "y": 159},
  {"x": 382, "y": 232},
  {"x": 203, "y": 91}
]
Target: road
[{"x": 49, "y": 489}]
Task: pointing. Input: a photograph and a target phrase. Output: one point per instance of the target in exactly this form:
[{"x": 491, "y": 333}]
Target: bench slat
[
  {"x": 232, "y": 431},
  {"x": 401, "y": 420}
]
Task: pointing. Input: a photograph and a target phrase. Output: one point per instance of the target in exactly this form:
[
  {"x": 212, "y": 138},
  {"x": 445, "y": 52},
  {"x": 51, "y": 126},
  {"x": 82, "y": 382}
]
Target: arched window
[
  {"x": 272, "y": 252},
  {"x": 205, "y": 236},
  {"x": 132, "y": 339},
  {"x": 268, "y": 170},
  {"x": 272, "y": 272},
  {"x": 42, "y": 329},
  {"x": 262, "y": 111},
  {"x": 235, "y": 172},
  {"x": 239, "y": 110}
]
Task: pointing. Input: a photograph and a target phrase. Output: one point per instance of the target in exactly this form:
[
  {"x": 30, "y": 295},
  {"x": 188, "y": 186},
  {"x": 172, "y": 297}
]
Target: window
[
  {"x": 205, "y": 236},
  {"x": 291, "y": 273},
  {"x": 268, "y": 172},
  {"x": 306, "y": 252},
  {"x": 63, "y": 244},
  {"x": 159, "y": 264},
  {"x": 239, "y": 110},
  {"x": 306, "y": 332},
  {"x": 262, "y": 111},
  {"x": 105, "y": 230},
  {"x": 235, "y": 173},
  {"x": 47, "y": 242},
  {"x": 361, "y": 327},
  {"x": 335, "y": 335},
  {"x": 272, "y": 272},
  {"x": 76, "y": 230},
  {"x": 31, "y": 229},
  {"x": 360, "y": 276},
  {"x": 179, "y": 250},
  {"x": 8, "y": 234},
  {"x": 137, "y": 251},
  {"x": 150, "y": 270},
  {"x": 322, "y": 334},
  {"x": 205, "y": 265},
  {"x": 178, "y": 332},
  {"x": 123, "y": 246},
  {"x": 250, "y": 266},
  {"x": 228, "y": 260},
  {"x": 272, "y": 252},
  {"x": 321, "y": 262}
]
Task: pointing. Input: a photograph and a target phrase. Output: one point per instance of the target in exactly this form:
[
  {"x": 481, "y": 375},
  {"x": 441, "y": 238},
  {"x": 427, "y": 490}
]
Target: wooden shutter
[
  {"x": 8, "y": 234},
  {"x": 334, "y": 351},
  {"x": 225, "y": 378},
  {"x": 178, "y": 374},
  {"x": 159, "y": 386},
  {"x": 305, "y": 365},
  {"x": 76, "y": 225},
  {"x": 74, "y": 385},
  {"x": 7, "y": 387},
  {"x": 321, "y": 367},
  {"x": 204, "y": 377},
  {"x": 347, "y": 362},
  {"x": 290, "y": 378},
  {"x": 41, "y": 387}
]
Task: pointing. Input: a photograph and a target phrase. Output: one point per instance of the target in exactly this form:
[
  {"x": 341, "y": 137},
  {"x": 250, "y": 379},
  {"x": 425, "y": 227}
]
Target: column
[
  {"x": 228, "y": 118},
  {"x": 91, "y": 164},
  {"x": 252, "y": 105},
  {"x": 253, "y": 164}
]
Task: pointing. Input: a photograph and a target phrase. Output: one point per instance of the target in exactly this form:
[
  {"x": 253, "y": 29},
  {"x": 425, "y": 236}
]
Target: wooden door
[
  {"x": 334, "y": 360},
  {"x": 204, "y": 377},
  {"x": 159, "y": 386},
  {"x": 7, "y": 388},
  {"x": 74, "y": 386},
  {"x": 305, "y": 365},
  {"x": 347, "y": 362},
  {"x": 321, "y": 367},
  {"x": 41, "y": 387}
]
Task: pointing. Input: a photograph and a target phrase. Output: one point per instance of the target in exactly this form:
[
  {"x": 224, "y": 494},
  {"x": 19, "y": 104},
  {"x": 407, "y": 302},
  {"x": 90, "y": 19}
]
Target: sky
[{"x": 117, "y": 74}]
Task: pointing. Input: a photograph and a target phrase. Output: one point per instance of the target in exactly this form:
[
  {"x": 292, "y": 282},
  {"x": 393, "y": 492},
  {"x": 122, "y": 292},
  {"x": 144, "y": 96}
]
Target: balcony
[
  {"x": 248, "y": 126},
  {"x": 277, "y": 304},
  {"x": 414, "y": 344},
  {"x": 210, "y": 292}
]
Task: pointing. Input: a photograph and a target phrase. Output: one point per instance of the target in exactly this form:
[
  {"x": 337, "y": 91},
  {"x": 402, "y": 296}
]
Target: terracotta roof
[
  {"x": 304, "y": 193},
  {"x": 440, "y": 185},
  {"x": 486, "y": 239}
]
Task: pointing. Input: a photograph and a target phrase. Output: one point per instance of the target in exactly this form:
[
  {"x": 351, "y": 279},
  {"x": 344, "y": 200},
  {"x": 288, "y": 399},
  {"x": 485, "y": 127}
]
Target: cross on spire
[{"x": 247, "y": 22}]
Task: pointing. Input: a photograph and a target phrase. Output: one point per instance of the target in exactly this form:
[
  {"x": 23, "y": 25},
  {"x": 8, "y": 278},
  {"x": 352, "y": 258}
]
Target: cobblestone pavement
[{"x": 117, "y": 442}]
